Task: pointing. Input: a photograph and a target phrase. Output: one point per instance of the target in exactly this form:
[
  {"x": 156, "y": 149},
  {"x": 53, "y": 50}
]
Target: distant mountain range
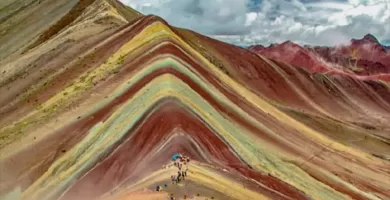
[
  {"x": 363, "y": 57},
  {"x": 386, "y": 43}
]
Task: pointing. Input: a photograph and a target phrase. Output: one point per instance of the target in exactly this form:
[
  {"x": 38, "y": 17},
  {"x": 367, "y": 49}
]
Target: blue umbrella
[{"x": 175, "y": 156}]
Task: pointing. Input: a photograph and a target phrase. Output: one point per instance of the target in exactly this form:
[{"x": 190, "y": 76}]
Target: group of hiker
[{"x": 180, "y": 162}]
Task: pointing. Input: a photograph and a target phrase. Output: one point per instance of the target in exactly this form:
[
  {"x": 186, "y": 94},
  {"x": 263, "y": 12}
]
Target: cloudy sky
[{"x": 247, "y": 22}]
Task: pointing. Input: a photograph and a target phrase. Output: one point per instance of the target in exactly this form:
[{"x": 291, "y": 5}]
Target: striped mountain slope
[{"x": 93, "y": 108}]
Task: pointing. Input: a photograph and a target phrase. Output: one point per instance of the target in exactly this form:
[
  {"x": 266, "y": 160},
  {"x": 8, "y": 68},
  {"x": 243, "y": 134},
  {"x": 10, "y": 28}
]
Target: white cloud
[
  {"x": 316, "y": 22},
  {"x": 250, "y": 17}
]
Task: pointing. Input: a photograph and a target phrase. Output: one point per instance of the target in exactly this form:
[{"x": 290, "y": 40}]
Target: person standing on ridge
[
  {"x": 178, "y": 176},
  {"x": 185, "y": 170},
  {"x": 173, "y": 179}
]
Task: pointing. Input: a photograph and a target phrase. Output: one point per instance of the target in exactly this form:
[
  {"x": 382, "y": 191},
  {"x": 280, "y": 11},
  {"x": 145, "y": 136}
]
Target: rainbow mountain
[{"x": 96, "y": 97}]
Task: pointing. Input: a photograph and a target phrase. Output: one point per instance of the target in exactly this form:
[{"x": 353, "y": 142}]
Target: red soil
[
  {"x": 70, "y": 139},
  {"x": 139, "y": 149}
]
